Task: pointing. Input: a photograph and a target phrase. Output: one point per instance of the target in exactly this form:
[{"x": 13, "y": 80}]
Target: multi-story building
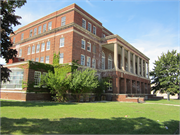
[{"x": 79, "y": 36}]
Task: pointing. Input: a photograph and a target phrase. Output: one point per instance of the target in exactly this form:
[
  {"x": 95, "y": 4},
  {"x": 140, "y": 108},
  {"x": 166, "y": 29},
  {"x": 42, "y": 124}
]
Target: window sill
[{"x": 89, "y": 51}]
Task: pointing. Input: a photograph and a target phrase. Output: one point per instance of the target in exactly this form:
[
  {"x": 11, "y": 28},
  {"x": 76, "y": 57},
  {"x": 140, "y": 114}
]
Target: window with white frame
[
  {"x": 84, "y": 23},
  {"x": 48, "y": 45},
  {"x": 42, "y": 47},
  {"x": 62, "y": 42},
  {"x": 88, "y": 61},
  {"x": 47, "y": 59},
  {"x": 30, "y": 33},
  {"x": 89, "y": 47},
  {"x": 49, "y": 25},
  {"x": 89, "y": 26},
  {"x": 37, "y": 78},
  {"x": 20, "y": 52},
  {"x": 37, "y": 59},
  {"x": 32, "y": 59},
  {"x": 22, "y": 36},
  {"x": 63, "y": 21},
  {"x": 109, "y": 62},
  {"x": 15, "y": 77},
  {"x": 35, "y": 31},
  {"x": 42, "y": 59},
  {"x": 110, "y": 85},
  {"x": 29, "y": 50},
  {"x": 61, "y": 58},
  {"x": 44, "y": 28},
  {"x": 83, "y": 44},
  {"x": 38, "y": 48},
  {"x": 94, "y": 48},
  {"x": 39, "y": 30},
  {"x": 94, "y": 30},
  {"x": 33, "y": 49},
  {"x": 14, "y": 40},
  {"x": 103, "y": 60},
  {"x": 82, "y": 60},
  {"x": 93, "y": 63}
]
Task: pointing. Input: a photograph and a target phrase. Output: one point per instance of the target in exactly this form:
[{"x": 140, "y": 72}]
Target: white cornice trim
[{"x": 16, "y": 64}]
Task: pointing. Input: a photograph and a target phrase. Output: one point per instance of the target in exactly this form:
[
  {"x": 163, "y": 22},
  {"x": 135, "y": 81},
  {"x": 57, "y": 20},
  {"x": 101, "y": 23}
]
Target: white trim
[
  {"x": 84, "y": 44},
  {"x": 89, "y": 62},
  {"x": 84, "y": 60},
  {"x": 15, "y": 64},
  {"x": 87, "y": 46},
  {"x": 90, "y": 27},
  {"x": 60, "y": 42},
  {"x": 95, "y": 30},
  {"x": 82, "y": 23},
  {"x": 12, "y": 91}
]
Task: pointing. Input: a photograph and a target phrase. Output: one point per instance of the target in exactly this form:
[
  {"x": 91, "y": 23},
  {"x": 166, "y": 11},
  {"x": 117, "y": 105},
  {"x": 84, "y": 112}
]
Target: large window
[
  {"x": 47, "y": 59},
  {"x": 37, "y": 78},
  {"x": 83, "y": 44},
  {"x": 88, "y": 61},
  {"x": 30, "y": 33},
  {"x": 63, "y": 21},
  {"x": 82, "y": 59},
  {"x": 48, "y": 45},
  {"x": 29, "y": 50},
  {"x": 16, "y": 78},
  {"x": 62, "y": 42},
  {"x": 89, "y": 47},
  {"x": 35, "y": 31},
  {"x": 49, "y": 25},
  {"x": 33, "y": 49},
  {"x": 109, "y": 62},
  {"x": 39, "y": 30},
  {"x": 94, "y": 30},
  {"x": 42, "y": 59},
  {"x": 103, "y": 60},
  {"x": 38, "y": 48},
  {"x": 84, "y": 23},
  {"x": 20, "y": 52},
  {"x": 61, "y": 58},
  {"x": 93, "y": 63},
  {"x": 44, "y": 28},
  {"x": 22, "y": 36},
  {"x": 89, "y": 26},
  {"x": 37, "y": 59},
  {"x": 42, "y": 47}
]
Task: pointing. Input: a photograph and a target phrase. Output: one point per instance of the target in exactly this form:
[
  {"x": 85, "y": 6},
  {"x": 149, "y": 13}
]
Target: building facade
[{"x": 79, "y": 36}]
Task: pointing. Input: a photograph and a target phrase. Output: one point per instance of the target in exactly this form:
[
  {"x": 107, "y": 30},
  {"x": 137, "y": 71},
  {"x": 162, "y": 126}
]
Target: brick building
[{"x": 77, "y": 35}]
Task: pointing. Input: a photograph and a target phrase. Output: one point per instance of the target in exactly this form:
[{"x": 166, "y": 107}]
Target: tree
[
  {"x": 8, "y": 19},
  {"x": 83, "y": 81},
  {"x": 165, "y": 75}
]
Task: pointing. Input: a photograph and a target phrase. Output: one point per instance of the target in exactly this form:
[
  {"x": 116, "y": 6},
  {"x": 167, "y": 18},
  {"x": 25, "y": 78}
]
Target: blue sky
[{"x": 149, "y": 25}]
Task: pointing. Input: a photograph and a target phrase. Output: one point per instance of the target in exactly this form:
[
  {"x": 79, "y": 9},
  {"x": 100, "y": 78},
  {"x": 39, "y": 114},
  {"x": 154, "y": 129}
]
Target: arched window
[
  {"x": 103, "y": 60},
  {"x": 109, "y": 62}
]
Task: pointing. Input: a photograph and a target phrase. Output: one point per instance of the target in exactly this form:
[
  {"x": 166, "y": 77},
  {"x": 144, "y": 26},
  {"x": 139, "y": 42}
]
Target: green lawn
[{"x": 88, "y": 118}]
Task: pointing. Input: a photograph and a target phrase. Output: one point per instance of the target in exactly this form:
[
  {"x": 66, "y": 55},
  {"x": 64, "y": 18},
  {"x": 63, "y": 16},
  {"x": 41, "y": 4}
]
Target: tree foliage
[
  {"x": 8, "y": 19},
  {"x": 165, "y": 75}
]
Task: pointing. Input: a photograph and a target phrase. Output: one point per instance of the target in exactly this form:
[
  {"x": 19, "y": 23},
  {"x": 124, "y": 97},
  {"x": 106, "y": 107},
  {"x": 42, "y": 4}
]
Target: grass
[{"x": 87, "y": 118}]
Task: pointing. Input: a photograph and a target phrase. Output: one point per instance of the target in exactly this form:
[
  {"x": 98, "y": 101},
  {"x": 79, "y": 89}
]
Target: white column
[
  {"x": 115, "y": 56},
  {"x": 141, "y": 67},
  {"x": 129, "y": 61},
  {"x": 148, "y": 70},
  {"x": 122, "y": 58},
  {"x": 145, "y": 70},
  {"x": 134, "y": 71},
  {"x": 138, "y": 65}
]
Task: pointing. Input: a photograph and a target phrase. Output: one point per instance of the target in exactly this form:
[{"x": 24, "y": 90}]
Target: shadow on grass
[{"x": 118, "y": 125}]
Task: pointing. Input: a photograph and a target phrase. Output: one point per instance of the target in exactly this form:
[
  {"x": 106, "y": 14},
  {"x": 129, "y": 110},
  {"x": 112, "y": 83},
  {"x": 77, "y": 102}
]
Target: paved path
[{"x": 162, "y": 104}]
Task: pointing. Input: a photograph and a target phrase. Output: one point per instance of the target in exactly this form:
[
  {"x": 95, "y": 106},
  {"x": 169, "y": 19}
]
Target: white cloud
[{"x": 89, "y": 3}]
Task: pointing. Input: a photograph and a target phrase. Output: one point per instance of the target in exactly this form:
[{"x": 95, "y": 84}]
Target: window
[
  {"x": 39, "y": 30},
  {"x": 37, "y": 59},
  {"x": 20, "y": 52},
  {"x": 93, "y": 63},
  {"x": 42, "y": 59},
  {"x": 110, "y": 85},
  {"x": 16, "y": 78},
  {"x": 89, "y": 47},
  {"x": 83, "y": 44},
  {"x": 89, "y": 26},
  {"x": 48, "y": 45},
  {"x": 63, "y": 21},
  {"x": 22, "y": 36},
  {"x": 88, "y": 61},
  {"x": 32, "y": 59},
  {"x": 61, "y": 58},
  {"x": 30, "y": 33},
  {"x": 47, "y": 59},
  {"x": 38, "y": 47},
  {"x": 82, "y": 60},
  {"x": 29, "y": 50},
  {"x": 94, "y": 30},
  {"x": 94, "y": 48},
  {"x": 42, "y": 47},
  {"x": 37, "y": 78},
  {"x": 49, "y": 25},
  {"x": 35, "y": 31},
  {"x": 109, "y": 62},
  {"x": 84, "y": 23},
  {"x": 103, "y": 60},
  {"x": 14, "y": 40},
  {"x": 44, "y": 28},
  {"x": 33, "y": 49},
  {"x": 62, "y": 42}
]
